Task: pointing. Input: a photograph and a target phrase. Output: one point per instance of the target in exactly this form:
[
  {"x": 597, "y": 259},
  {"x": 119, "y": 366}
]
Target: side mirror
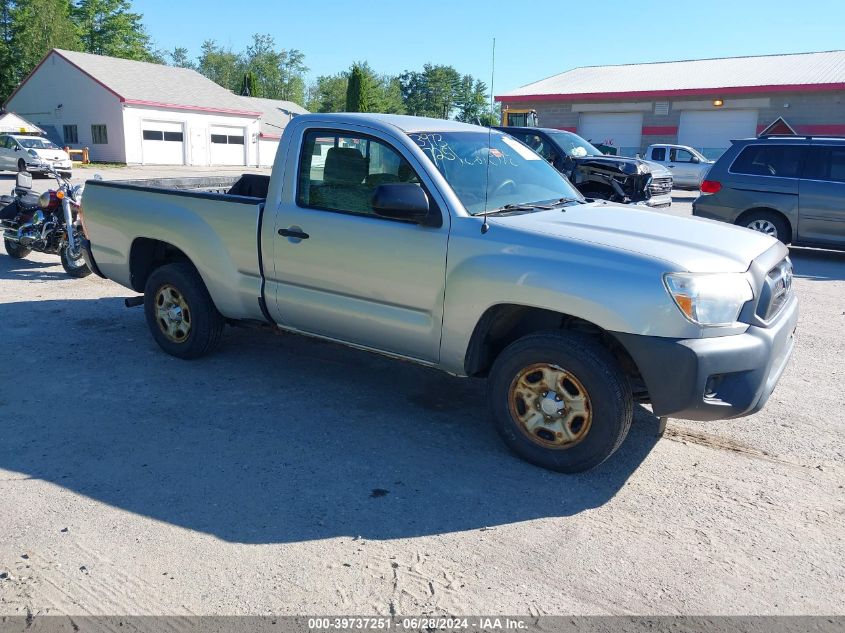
[
  {"x": 403, "y": 201},
  {"x": 695, "y": 159},
  {"x": 17, "y": 148}
]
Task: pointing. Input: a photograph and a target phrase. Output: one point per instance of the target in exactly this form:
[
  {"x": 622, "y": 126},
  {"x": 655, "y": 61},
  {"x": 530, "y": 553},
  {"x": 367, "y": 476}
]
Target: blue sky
[{"x": 534, "y": 38}]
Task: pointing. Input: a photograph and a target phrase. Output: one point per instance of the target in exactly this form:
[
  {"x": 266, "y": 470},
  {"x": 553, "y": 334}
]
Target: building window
[
  {"x": 223, "y": 139},
  {"x": 71, "y": 135},
  {"x": 99, "y": 135}
]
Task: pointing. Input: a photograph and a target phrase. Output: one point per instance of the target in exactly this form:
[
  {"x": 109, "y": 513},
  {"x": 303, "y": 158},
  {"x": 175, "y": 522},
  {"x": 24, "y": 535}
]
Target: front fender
[{"x": 617, "y": 291}]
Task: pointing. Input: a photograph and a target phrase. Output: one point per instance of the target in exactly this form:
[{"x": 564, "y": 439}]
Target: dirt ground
[{"x": 288, "y": 476}]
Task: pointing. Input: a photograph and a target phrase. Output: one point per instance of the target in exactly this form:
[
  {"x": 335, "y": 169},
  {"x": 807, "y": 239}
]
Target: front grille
[
  {"x": 660, "y": 186},
  {"x": 777, "y": 289}
]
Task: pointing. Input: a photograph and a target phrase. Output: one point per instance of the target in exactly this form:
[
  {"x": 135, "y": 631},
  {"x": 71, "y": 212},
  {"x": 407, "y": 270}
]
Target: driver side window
[
  {"x": 680, "y": 156},
  {"x": 339, "y": 171}
]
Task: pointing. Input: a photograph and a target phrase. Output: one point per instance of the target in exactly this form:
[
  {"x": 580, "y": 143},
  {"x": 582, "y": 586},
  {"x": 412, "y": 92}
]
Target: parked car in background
[
  {"x": 595, "y": 174},
  {"x": 35, "y": 154},
  {"x": 457, "y": 247},
  {"x": 790, "y": 188},
  {"x": 688, "y": 165}
]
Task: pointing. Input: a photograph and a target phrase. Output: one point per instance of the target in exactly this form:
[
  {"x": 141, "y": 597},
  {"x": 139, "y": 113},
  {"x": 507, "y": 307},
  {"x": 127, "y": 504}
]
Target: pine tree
[
  {"x": 248, "y": 85},
  {"x": 362, "y": 90}
]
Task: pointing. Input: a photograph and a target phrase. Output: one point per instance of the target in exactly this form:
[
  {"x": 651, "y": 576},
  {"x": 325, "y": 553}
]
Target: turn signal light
[{"x": 710, "y": 186}]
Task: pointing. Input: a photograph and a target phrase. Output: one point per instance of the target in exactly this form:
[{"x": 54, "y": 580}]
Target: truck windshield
[
  {"x": 34, "y": 142},
  {"x": 517, "y": 175},
  {"x": 573, "y": 145}
]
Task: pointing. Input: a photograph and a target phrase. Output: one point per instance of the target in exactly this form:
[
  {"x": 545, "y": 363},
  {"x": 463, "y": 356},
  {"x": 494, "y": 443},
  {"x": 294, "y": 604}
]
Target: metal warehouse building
[
  {"x": 140, "y": 113},
  {"x": 701, "y": 103}
]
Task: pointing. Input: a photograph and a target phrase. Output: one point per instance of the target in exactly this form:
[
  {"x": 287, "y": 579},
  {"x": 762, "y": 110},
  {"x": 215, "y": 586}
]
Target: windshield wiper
[
  {"x": 561, "y": 201},
  {"x": 511, "y": 207}
]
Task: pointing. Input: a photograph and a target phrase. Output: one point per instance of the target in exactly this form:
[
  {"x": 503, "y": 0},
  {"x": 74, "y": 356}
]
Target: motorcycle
[{"x": 48, "y": 223}]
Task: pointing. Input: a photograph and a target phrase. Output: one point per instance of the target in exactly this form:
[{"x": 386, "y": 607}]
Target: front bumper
[
  {"x": 42, "y": 165},
  {"x": 714, "y": 378},
  {"x": 658, "y": 202}
]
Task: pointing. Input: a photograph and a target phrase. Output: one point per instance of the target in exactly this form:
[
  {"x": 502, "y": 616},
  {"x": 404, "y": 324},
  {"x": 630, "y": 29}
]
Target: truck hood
[
  {"x": 623, "y": 165},
  {"x": 691, "y": 244}
]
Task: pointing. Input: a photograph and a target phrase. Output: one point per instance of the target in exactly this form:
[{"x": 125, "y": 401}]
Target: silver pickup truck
[{"x": 458, "y": 247}]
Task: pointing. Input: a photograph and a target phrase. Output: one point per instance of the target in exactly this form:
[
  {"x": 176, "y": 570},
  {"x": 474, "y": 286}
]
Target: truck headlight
[{"x": 709, "y": 299}]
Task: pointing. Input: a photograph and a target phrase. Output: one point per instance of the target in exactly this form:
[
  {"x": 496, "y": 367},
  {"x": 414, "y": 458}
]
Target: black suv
[
  {"x": 594, "y": 174},
  {"x": 792, "y": 188}
]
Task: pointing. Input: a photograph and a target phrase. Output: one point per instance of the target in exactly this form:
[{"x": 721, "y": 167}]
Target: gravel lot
[{"x": 284, "y": 475}]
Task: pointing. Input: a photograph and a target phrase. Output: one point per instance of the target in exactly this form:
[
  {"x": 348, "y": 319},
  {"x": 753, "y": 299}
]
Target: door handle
[
  {"x": 295, "y": 233},
  {"x": 671, "y": 167}
]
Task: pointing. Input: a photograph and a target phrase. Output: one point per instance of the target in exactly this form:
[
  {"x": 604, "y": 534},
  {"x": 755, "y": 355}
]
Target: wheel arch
[
  {"x": 504, "y": 323},
  {"x": 147, "y": 254}
]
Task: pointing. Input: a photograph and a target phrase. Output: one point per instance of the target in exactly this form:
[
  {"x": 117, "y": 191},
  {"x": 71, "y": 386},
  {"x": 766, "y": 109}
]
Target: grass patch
[{"x": 99, "y": 165}]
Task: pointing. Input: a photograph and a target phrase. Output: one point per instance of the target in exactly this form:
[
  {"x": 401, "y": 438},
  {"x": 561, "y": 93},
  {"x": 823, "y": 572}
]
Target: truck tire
[
  {"x": 766, "y": 222},
  {"x": 15, "y": 250},
  {"x": 180, "y": 313},
  {"x": 559, "y": 400}
]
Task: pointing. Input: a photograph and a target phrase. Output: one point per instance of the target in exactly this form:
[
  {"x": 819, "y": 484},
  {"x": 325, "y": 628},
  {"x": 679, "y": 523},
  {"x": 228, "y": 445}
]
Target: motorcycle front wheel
[
  {"x": 15, "y": 250},
  {"x": 74, "y": 264}
]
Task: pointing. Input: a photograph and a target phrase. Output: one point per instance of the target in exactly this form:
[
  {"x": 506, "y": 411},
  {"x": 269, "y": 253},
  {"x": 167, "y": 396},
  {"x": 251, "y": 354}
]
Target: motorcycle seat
[{"x": 28, "y": 201}]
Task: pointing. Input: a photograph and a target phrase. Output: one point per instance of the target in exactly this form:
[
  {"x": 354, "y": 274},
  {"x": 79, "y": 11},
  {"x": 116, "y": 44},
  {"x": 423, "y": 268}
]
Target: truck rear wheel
[
  {"x": 560, "y": 401},
  {"x": 180, "y": 313}
]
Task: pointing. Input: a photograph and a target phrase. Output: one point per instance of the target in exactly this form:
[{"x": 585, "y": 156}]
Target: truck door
[
  {"x": 821, "y": 196},
  {"x": 684, "y": 167},
  {"x": 341, "y": 271}
]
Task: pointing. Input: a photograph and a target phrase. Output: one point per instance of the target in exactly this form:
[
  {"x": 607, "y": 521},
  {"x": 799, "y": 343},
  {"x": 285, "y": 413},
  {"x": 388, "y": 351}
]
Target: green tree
[
  {"x": 328, "y": 93},
  {"x": 278, "y": 73},
  {"x": 433, "y": 92},
  {"x": 110, "y": 27},
  {"x": 7, "y": 70},
  {"x": 471, "y": 100},
  {"x": 34, "y": 27},
  {"x": 220, "y": 65},
  {"x": 179, "y": 57},
  {"x": 293, "y": 69},
  {"x": 360, "y": 90}
]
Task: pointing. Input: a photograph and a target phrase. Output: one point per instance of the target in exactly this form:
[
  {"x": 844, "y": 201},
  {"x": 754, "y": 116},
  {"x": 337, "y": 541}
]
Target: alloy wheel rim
[
  {"x": 763, "y": 226},
  {"x": 550, "y": 406},
  {"x": 173, "y": 314}
]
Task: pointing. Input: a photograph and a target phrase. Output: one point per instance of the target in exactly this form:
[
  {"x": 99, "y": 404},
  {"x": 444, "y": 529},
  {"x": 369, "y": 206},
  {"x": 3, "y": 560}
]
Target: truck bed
[{"x": 205, "y": 218}]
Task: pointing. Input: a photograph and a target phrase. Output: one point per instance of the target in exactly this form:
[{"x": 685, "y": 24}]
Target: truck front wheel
[
  {"x": 180, "y": 313},
  {"x": 559, "y": 400}
]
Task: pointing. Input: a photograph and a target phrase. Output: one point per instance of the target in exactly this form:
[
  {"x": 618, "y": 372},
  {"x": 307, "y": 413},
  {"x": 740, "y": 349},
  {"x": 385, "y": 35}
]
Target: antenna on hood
[{"x": 485, "y": 226}]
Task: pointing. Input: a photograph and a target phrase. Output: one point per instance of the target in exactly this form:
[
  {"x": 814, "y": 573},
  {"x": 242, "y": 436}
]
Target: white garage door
[
  {"x": 163, "y": 143},
  {"x": 228, "y": 145},
  {"x": 711, "y": 132},
  {"x": 622, "y": 130}
]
